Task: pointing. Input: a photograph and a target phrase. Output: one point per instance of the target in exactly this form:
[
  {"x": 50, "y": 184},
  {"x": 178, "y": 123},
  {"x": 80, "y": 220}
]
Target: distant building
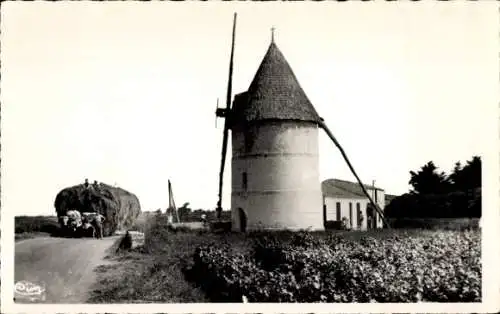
[{"x": 345, "y": 199}]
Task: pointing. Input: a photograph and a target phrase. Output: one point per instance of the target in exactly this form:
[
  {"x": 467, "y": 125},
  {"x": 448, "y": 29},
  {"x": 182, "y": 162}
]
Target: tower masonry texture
[{"x": 275, "y": 155}]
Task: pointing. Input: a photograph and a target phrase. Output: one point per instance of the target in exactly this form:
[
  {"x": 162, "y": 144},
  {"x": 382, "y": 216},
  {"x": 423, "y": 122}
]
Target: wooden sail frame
[{"x": 171, "y": 202}]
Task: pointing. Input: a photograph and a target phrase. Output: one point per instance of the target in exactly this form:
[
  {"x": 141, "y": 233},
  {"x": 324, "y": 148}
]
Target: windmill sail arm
[
  {"x": 230, "y": 81},
  {"x": 224, "y": 113},
  {"x": 171, "y": 202},
  {"x": 334, "y": 140}
]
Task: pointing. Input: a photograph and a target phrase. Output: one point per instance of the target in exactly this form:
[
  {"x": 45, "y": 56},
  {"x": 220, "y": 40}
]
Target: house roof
[
  {"x": 344, "y": 189},
  {"x": 274, "y": 94}
]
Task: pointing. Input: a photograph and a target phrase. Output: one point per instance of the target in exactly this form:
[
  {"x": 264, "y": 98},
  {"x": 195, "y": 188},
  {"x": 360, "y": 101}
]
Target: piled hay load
[{"x": 118, "y": 208}]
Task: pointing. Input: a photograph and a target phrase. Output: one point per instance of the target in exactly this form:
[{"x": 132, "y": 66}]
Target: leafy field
[
  {"x": 376, "y": 266},
  {"x": 432, "y": 267}
]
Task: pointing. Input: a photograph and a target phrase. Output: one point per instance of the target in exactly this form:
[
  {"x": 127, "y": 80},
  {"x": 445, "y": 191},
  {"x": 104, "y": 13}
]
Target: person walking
[
  {"x": 204, "y": 220},
  {"x": 63, "y": 221},
  {"x": 98, "y": 220}
]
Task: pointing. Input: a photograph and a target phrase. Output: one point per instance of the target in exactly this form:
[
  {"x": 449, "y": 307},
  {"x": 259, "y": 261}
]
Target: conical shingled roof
[{"x": 274, "y": 94}]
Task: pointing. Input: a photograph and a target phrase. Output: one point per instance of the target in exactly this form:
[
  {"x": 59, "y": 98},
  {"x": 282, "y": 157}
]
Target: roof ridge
[{"x": 354, "y": 183}]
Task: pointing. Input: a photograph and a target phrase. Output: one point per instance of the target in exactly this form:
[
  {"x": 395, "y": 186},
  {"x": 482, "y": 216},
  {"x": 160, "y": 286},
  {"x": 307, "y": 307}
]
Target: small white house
[{"x": 346, "y": 200}]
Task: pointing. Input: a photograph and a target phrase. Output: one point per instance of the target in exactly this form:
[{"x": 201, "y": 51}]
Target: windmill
[
  {"x": 274, "y": 110},
  {"x": 224, "y": 113}
]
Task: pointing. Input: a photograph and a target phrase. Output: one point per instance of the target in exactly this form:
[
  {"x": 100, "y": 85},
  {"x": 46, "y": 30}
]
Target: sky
[{"x": 125, "y": 92}]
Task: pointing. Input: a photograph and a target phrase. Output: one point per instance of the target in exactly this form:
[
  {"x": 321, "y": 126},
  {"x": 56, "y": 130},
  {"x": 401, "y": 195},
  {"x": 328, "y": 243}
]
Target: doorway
[
  {"x": 243, "y": 219},
  {"x": 372, "y": 216}
]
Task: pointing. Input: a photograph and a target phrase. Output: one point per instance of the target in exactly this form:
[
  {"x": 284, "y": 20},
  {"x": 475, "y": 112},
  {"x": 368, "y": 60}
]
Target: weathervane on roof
[{"x": 272, "y": 34}]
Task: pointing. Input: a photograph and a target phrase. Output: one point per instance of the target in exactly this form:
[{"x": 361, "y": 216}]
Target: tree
[
  {"x": 184, "y": 211},
  {"x": 429, "y": 181},
  {"x": 468, "y": 177},
  {"x": 436, "y": 195},
  {"x": 456, "y": 177}
]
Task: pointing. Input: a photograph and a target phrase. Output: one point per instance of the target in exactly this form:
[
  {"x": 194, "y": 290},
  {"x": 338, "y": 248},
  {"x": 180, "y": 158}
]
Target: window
[
  {"x": 358, "y": 211},
  {"x": 350, "y": 213},
  {"x": 245, "y": 181},
  {"x": 338, "y": 211}
]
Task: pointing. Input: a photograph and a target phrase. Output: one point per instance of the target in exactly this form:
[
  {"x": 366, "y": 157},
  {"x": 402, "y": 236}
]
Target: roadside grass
[
  {"x": 155, "y": 271},
  {"x": 30, "y": 235},
  {"x": 138, "y": 276}
]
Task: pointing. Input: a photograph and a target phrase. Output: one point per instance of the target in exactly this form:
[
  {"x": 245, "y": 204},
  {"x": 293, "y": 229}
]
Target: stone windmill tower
[
  {"x": 275, "y": 163},
  {"x": 275, "y": 160},
  {"x": 275, "y": 151}
]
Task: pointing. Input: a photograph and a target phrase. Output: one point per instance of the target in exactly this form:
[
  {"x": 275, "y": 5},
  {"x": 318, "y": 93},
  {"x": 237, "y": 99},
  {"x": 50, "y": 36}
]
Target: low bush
[
  {"x": 335, "y": 225},
  {"x": 434, "y": 267},
  {"x": 125, "y": 242},
  {"x": 221, "y": 226},
  {"x": 139, "y": 226},
  {"x": 436, "y": 223},
  {"x": 36, "y": 224}
]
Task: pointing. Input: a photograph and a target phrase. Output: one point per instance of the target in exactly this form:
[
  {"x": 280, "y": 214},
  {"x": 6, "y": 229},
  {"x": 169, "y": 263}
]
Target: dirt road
[{"x": 65, "y": 266}]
